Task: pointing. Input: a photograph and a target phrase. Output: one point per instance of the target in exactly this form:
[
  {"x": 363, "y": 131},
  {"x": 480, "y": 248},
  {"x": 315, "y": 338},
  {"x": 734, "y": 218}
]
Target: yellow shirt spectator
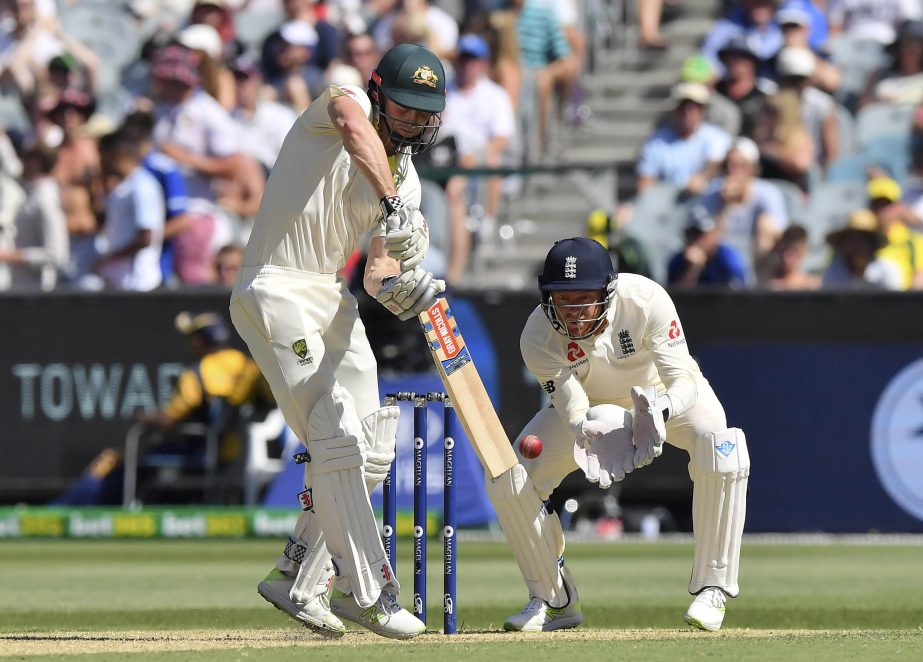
[{"x": 904, "y": 248}]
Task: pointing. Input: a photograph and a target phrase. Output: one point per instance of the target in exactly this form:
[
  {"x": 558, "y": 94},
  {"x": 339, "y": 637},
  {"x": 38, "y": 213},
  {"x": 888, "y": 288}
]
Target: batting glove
[
  {"x": 410, "y": 293},
  {"x": 406, "y": 232}
]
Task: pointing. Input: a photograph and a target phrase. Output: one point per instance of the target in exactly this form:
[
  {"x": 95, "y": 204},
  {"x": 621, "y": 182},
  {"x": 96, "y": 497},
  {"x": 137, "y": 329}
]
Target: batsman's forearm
[{"x": 361, "y": 141}]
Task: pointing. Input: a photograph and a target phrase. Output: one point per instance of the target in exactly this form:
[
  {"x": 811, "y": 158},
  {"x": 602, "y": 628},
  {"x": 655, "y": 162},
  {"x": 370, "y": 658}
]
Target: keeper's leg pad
[
  {"x": 535, "y": 536},
  {"x": 341, "y": 500},
  {"x": 380, "y": 430},
  {"x": 720, "y": 470}
]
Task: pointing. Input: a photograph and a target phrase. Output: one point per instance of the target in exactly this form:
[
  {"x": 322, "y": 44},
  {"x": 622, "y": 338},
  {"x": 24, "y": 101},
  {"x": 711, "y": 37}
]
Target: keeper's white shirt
[
  {"x": 643, "y": 345},
  {"x": 317, "y": 204}
]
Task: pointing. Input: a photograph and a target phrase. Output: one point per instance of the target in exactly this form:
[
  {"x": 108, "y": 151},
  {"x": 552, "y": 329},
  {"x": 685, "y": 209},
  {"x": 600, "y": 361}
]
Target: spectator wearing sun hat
[
  {"x": 742, "y": 83},
  {"x": 685, "y": 151},
  {"x": 903, "y": 246},
  {"x": 856, "y": 262}
]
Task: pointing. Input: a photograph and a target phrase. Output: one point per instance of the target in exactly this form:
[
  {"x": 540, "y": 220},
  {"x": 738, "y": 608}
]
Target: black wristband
[{"x": 390, "y": 204}]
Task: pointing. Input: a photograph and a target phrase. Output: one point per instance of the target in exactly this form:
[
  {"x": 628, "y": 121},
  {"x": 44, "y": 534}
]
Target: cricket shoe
[
  {"x": 538, "y": 616},
  {"x": 384, "y": 617},
  {"x": 314, "y": 614},
  {"x": 707, "y": 610}
]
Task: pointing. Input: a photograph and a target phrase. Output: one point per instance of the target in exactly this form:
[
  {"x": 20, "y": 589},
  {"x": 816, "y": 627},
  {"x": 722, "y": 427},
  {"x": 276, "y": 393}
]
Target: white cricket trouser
[
  {"x": 273, "y": 308},
  {"x": 557, "y": 461}
]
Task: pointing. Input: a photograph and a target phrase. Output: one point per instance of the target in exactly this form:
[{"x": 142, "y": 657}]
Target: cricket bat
[{"x": 465, "y": 388}]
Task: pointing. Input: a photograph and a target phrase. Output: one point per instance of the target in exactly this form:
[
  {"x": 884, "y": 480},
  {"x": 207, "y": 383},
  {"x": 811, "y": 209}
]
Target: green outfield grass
[{"x": 197, "y": 599}]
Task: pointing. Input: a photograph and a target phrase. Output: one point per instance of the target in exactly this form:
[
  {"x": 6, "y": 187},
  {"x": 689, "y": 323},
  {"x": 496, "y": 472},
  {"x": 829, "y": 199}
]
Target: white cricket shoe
[
  {"x": 314, "y": 614},
  {"x": 385, "y": 617},
  {"x": 707, "y": 610},
  {"x": 538, "y": 616}
]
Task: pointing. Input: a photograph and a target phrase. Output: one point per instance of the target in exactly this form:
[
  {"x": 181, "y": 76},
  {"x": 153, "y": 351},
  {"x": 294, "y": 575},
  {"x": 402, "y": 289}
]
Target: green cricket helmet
[{"x": 413, "y": 77}]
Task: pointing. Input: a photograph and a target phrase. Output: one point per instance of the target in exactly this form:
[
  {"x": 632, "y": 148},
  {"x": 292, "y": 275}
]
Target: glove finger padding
[
  {"x": 407, "y": 237},
  {"x": 649, "y": 429},
  {"x": 410, "y": 293}
]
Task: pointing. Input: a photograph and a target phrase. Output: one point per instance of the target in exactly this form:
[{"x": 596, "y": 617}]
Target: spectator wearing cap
[
  {"x": 685, "y": 151},
  {"x": 797, "y": 19},
  {"x": 741, "y": 83},
  {"x": 901, "y": 81},
  {"x": 854, "y": 264},
  {"x": 263, "y": 123},
  {"x": 872, "y": 20},
  {"x": 795, "y": 69},
  {"x": 479, "y": 116},
  {"x": 705, "y": 261},
  {"x": 752, "y": 20},
  {"x": 303, "y": 46},
  {"x": 193, "y": 129},
  {"x": 721, "y": 111},
  {"x": 903, "y": 246},
  {"x": 750, "y": 210},
  {"x": 133, "y": 228},
  {"x": 215, "y": 76}
]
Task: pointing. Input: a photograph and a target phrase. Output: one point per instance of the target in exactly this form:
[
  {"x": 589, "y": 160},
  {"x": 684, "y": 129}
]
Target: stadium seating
[
  {"x": 829, "y": 205},
  {"x": 658, "y": 221},
  {"x": 880, "y": 120}
]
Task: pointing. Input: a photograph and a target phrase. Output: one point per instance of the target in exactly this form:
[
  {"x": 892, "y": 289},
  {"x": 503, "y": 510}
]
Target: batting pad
[
  {"x": 306, "y": 552},
  {"x": 341, "y": 500},
  {"x": 720, "y": 471},
  {"x": 380, "y": 430},
  {"x": 535, "y": 536}
]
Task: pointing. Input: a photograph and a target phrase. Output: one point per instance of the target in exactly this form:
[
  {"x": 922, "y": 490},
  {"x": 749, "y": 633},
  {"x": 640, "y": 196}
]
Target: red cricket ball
[{"x": 530, "y": 447}]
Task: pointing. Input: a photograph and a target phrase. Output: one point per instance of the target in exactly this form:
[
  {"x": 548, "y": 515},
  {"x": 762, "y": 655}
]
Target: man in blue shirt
[{"x": 705, "y": 260}]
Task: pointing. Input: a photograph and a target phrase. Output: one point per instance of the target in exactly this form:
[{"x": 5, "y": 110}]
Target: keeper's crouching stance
[{"x": 611, "y": 353}]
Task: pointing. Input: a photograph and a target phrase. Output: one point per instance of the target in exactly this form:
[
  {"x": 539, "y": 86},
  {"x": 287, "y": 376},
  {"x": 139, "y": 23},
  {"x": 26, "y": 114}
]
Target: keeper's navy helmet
[{"x": 571, "y": 265}]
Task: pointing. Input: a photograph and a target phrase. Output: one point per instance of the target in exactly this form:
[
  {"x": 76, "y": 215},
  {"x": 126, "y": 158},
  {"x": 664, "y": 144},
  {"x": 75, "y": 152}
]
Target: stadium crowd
[{"x": 147, "y": 172}]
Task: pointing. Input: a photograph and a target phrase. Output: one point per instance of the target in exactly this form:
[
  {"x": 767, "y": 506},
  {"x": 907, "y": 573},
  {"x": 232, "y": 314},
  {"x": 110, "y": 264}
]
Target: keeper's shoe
[
  {"x": 384, "y": 617},
  {"x": 707, "y": 610},
  {"x": 314, "y": 614},
  {"x": 538, "y": 616}
]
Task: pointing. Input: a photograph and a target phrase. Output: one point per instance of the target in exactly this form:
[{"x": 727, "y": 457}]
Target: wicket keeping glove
[
  {"x": 410, "y": 293},
  {"x": 650, "y": 430},
  {"x": 406, "y": 232},
  {"x": 604, "y": 450}
]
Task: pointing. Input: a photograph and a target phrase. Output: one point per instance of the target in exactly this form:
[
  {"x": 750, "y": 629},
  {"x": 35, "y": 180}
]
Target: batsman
[
  {"x": 611, "y": 353},
  {"x": 344, "y": 171}
]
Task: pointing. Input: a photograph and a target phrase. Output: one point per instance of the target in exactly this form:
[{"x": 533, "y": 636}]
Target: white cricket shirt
[
  {"x": 317, "y": 204},
  {"x": 643, "y": 345}
]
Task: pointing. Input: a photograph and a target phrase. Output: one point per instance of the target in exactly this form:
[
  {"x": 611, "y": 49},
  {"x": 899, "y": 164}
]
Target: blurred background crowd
[{"x": 747, "y": 144}]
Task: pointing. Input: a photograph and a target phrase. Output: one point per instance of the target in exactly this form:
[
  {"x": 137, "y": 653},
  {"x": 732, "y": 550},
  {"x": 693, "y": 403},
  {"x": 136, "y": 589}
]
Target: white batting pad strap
[
  {"x": 380, "y": 430},
  {"x": 720, "y": 471},
  {"x": 341, "y": 502},
  {"x": 334, "y": 415},
  {"x": 534, "y": 535}
]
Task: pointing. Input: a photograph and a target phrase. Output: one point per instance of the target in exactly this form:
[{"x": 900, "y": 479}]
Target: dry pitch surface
[{"x": 162, "y": 641}]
